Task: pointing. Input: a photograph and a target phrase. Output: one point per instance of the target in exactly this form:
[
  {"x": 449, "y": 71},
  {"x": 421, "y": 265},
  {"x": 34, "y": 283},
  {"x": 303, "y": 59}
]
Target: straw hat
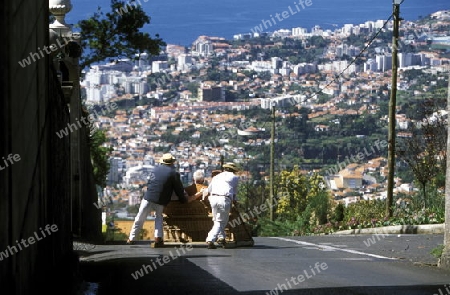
[
  {"x": 167, "y": 159},
  {"x": 231, "y": 166}
]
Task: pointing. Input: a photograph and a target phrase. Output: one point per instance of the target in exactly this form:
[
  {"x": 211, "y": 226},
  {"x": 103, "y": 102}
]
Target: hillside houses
[
  {"x": 333, "y": 94},
  {"x": 358, "y": 182}
]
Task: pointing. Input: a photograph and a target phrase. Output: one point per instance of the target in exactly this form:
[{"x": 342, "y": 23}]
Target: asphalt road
[{"x": 348, "y": 264}]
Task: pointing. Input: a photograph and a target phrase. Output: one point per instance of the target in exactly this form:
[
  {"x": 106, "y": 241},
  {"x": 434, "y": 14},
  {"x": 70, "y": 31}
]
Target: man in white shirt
[{"x": 222, "y": 192}]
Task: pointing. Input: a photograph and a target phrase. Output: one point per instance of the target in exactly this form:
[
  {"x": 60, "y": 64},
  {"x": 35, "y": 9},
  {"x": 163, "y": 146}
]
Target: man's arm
[
  {"x": 195, "y": 196},
  {"x": 192, "y": 192},
  {"x": 179, "y": 189}
]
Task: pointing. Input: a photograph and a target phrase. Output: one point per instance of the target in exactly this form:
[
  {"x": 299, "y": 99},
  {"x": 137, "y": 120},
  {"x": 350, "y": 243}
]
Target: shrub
[{"x": 365, "y": 214}]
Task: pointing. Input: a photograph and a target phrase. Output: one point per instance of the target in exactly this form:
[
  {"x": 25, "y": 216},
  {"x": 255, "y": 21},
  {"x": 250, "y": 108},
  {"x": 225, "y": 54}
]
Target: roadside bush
[
  {"x": 338, "y": 214},
  {"x": 279, "y": 228},
  {"x": 318, "y": 218},
  {"x": 364, "y": 214},
  {"x": 406, "y": 216}
]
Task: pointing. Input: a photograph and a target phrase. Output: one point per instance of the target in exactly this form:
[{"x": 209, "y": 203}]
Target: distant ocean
[{"x": 182, "y": 21}]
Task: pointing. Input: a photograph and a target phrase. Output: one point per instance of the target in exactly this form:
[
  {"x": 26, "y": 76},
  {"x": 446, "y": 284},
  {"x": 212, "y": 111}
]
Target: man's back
[
  {"x": 225, "y": 184},
  {"x": 163, "y": 181}
]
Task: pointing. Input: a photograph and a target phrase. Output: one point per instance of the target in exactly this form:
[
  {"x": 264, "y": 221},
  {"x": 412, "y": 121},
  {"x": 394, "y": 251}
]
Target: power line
[{"x": 354, "y": 60}]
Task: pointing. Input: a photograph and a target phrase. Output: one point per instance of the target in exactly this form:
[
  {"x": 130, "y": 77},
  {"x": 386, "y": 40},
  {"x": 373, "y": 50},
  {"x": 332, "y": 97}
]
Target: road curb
[{"x": 397, "y": 229}]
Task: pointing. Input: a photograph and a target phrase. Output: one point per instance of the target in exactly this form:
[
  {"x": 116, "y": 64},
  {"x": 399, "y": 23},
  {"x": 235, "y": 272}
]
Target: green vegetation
[
  {"x": 437, "y": 252},
  {"x": 99, "y": 156},
  {"x": 424, "y": 151},
  {"x": 303, "y": 207},
  {"x": 112, "y": 35},
  {"x": 112, "y": 234}
]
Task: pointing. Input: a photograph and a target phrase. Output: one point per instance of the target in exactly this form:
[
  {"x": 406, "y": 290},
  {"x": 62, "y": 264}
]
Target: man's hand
[
  {"x": 187, "y": 197},
  {"x": 205, "y": 193},
  {"x": 198, "y": 195},
  {"x": 194, "y": 197}
]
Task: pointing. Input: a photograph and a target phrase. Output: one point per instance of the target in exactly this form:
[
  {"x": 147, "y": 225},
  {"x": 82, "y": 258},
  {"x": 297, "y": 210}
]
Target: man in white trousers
[
  {"x": 164, "y": 180},
  {"x": 222, "y": 193}
]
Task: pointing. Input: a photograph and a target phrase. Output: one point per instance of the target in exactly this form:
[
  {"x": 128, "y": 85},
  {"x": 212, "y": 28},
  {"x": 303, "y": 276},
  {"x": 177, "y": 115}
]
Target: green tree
[
  {"x": 193, "y": 88},
  {"x": 318, "y": 41},
  {"x": 99, "y": 156},
  {"x": 425, "y": 150},
  {"x": 116, "y": 34},
  {"x": 302, "y": 205},
  {"x": 292, "y": 190},
  {"x": 113, "y": 35},
  {"x": 296, "y": 191}
]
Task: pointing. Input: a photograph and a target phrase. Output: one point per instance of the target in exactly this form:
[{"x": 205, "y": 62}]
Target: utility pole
[
  {"x": 392, "y": 110},
  {"x": 272, "y": 160},
  {"x": 445, "y": 258}
]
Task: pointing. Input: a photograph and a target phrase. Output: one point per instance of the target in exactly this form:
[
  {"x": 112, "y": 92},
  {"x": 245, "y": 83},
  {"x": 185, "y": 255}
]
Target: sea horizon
[{"x": 181, "y": 24}]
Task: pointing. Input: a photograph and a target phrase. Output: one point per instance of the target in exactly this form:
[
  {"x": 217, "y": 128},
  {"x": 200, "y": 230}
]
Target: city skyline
[{"x": 178, "y": 24}]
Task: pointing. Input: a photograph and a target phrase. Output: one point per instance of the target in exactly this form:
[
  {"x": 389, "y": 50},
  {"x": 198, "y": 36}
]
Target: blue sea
[{"x": 181, "y": 22}]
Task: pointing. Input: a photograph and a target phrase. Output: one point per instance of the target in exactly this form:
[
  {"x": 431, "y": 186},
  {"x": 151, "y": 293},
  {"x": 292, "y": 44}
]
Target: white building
[
  {"x": 203, "y": 47},
  {"x": 277, "y": 62},
  {"x": 143, "y": 61},
  {"x": 159, "y": 66},
  {"x": 299, "y": 32},
  {"x": 261, "y": 66},
  {"x": 384, "y": 62},
  {"x": 347, "y": 29},
  {"x": 184, "y": 62},
  {"x": 304, "y": 68},
  {"x": 370, "y": 65},
  {"x": 137, "y": 173},
  {"x": 117, "y": 167}
]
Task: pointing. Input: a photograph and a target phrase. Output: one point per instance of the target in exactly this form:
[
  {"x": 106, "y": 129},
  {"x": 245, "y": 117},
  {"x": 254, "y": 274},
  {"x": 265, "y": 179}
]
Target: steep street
[{"x": 331, "y": 264}]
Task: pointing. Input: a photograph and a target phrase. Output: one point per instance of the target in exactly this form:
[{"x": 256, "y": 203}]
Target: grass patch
[{"x": 437, "y": 252}]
